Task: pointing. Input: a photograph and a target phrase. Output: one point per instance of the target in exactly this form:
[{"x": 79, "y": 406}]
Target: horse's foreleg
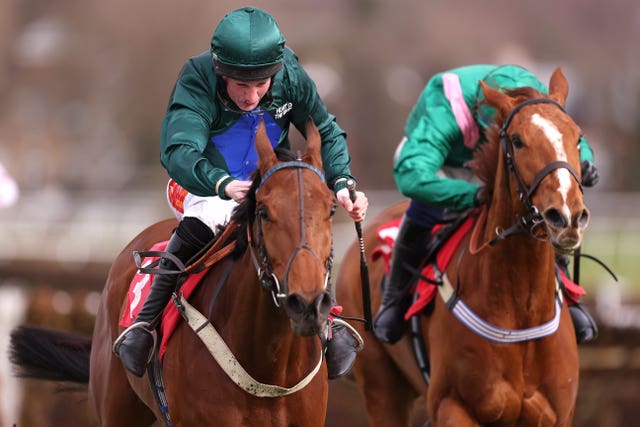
[
  {"x": 536, "y": 411},
  {"x": 450, "y": 413},
  {"x": 388, "y": 396}
]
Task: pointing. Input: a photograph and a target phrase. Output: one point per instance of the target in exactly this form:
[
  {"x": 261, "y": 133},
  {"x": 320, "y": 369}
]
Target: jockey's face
[{"x": 247, "y": 94}]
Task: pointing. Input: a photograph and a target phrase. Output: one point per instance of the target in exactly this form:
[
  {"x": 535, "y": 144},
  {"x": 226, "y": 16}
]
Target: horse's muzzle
[
  {"x": 565, "y": 232},
  {"x": 308, "y": 317}
]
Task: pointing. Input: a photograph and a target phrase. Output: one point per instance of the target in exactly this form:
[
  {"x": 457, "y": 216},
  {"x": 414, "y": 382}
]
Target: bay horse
[
  {"x": 502, "y": 281},
  {"x": 272, "y": 302}
]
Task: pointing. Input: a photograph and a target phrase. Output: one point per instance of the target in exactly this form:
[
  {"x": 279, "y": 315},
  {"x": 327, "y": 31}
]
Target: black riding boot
[
  {"x": 583, "y": 324},
  {"x": 408, "y": 250},
  {"x": 136, "y": 345},
  {"x": 341, "y": 352}
]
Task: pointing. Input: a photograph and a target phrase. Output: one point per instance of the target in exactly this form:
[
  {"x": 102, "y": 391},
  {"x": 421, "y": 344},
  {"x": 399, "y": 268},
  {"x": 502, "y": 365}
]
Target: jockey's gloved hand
[
  {"x": 590, "y": 176},
  {"x": 480, "y": 198}
]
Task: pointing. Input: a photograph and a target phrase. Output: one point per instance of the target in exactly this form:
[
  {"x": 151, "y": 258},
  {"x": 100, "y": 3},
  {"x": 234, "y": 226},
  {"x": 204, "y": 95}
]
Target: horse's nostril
[
  {"x": 554, "y": 218},
  {"x": 583, "y": 220},
  {"x": 326, "y": 299},
  {"x": 294, "y": 304},
  {"x": 324, "y": 304}
]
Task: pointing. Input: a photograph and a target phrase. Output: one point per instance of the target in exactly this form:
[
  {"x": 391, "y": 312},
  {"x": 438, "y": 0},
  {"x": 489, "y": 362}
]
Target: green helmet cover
[{"x": 247, "y": 45}]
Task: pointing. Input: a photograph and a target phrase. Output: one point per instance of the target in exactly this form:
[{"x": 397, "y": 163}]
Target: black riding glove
[
  {"x": 590, "y": 176},
  {"x": 480, "y": 198}
]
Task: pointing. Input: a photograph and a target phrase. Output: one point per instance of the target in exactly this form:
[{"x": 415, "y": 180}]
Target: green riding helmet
[
  {"x": 247, "y": 45},
  {"x": 503, "y": 78}
]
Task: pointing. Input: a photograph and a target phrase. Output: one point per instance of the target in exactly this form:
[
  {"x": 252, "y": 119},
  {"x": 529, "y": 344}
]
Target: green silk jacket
[
  {"x": 440, "y": 134},
  {"x": 206, "y": 141}
]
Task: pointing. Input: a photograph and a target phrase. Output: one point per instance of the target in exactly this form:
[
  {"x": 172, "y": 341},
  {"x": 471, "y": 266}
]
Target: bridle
[
  {"x": 279, "y": 288},
  {"x": 533, "y": 219}
]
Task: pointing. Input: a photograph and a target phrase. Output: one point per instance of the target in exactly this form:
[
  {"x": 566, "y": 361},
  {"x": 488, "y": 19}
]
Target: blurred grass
[{"x": 616, "y": 244}]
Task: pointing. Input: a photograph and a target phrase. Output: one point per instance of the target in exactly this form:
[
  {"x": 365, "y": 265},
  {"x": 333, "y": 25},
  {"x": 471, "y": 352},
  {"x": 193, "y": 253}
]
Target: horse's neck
[
  {"x": 262, "y": 331},
  {"x": 520, "y": 269},
  {"x": 255, "y": 308}
]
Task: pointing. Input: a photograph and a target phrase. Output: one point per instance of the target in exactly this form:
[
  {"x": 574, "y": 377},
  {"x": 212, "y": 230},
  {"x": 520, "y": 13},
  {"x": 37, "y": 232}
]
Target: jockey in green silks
[{"x": 207, "y": 148}]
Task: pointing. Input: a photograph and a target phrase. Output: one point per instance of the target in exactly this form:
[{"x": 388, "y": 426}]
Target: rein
[{"x": 267, "y": 277}]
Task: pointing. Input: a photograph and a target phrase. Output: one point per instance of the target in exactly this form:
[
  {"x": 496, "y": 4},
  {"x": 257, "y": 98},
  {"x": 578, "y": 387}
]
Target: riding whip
[
  {"x": 364, "y": 269},
  {"x": 576, "y": 266}
]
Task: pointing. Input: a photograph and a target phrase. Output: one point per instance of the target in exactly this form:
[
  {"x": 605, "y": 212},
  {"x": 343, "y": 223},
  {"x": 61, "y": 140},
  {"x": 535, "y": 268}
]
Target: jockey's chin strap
[{"x": 532, "y": 220}]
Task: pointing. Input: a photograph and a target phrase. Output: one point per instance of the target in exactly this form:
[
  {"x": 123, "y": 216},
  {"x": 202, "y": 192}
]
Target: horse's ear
[
  {"x": 497, "y": 99},
  {"x": 266, "y": 155},
  {"x": 314, "y": 143},
  {"x": 558, "y": 86}
]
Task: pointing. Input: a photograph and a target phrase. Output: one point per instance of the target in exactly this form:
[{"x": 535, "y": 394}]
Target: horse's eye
[
  {"x": 333, "y": 210},
  {"x": 262, "y": 214},
  {"x": 516, "y": 141}
]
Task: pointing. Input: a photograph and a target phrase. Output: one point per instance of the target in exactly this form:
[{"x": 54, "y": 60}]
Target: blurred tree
[{"x": 85, "y": 84}]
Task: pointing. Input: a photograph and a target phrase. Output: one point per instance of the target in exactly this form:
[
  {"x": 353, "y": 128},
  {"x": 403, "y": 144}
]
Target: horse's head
[
  {"x": 292, "y": 232},
  {"x": 539, "y": 146}
]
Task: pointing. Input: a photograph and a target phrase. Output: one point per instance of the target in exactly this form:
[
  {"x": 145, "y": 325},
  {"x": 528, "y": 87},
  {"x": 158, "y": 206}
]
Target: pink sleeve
[{"x": 464, "y": 118}]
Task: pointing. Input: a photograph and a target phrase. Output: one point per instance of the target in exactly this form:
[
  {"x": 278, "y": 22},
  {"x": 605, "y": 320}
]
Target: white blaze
[{"x": 555, "y": 139}]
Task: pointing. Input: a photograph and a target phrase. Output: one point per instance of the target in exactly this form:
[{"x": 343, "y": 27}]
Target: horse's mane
[
  {"x": 485, "y": 158},
  {"x": 244, "y": 213}
]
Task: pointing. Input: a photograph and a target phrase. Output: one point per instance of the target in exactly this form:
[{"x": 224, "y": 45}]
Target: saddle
[{"x": 147, "y": 261}]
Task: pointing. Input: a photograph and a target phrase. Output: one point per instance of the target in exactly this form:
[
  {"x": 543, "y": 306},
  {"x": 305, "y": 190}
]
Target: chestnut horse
[
  {"x": 515, "y": 363},
  {"x": 271, "y": 304}
]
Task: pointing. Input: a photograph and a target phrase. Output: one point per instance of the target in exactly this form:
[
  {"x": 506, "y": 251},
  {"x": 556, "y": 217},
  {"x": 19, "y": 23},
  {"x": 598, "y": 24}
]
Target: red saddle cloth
[
  {"x": 425, "y": 290},
  {"x": 139, "y": 290}
]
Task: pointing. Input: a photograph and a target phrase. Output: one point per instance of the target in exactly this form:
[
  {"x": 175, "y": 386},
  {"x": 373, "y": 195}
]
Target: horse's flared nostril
[
  {"x": 308, "y": 317},
  {"x": 554, "y": 218},
  {"x": 324, "y": 303},
  {"x": 583, "y": 219},
  {"x": 295, "y": 306}
]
